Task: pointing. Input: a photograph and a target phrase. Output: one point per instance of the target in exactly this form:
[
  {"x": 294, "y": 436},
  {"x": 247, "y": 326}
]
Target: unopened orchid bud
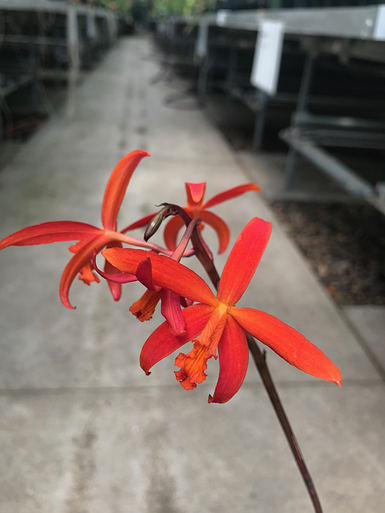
[{"x": 156, "y": 222}]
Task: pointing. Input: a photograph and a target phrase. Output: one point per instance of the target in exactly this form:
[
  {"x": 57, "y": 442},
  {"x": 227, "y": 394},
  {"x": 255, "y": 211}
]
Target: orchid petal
[
  {"x": 139, "y": 223},
  {"x": 162, "y": 342},
  {"x": 118, "y": 277},
  {"x": 230, "y": 194},
  {"x": 79, "y": 260},
  {"x": 172, "y": 312},
  {"x": 117, "y": 185},
  {"x": 243, "y": 260},
  {"x": 166, "y": 273},
  {"x": 171, "y": 231},
  {"x": 233, "y": 360},
  {"x": 195, "y": 193},
  {"x": 288, "y": 343},
  {"x": 46, "y": 233},
  {"x": 144, "y": 275},
  {"x": 219, "y": 226},
  {"x": 115, "y": 288}
]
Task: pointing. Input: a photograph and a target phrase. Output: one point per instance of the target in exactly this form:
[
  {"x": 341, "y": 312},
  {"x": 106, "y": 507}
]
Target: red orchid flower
[
  {"x": 144, "y": 307},
  {"x": 217, "y": 323},
  {"x": 196, "y": 208},
  {"x": 91, "y": 239}
]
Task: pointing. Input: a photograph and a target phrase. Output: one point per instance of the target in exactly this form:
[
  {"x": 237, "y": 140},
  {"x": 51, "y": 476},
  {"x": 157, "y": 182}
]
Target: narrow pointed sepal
[
  {"x": 115, "y": 288},
  {"x": 233, "y": 361},
  {"x": 288, "y": 343},
  {"x": 230, "y": 194},
  {"x": 220, "y": 227},
  {"x": 195, "y": 193},
  {"x": 54, "y": 231},
  {"x": 139, "y": 223},
  {"x": 243, "y": 260},
  {"x": 77, "y": 262},
  {"x": 171, "y": 230},
  {"x": 117, "y": 185}
]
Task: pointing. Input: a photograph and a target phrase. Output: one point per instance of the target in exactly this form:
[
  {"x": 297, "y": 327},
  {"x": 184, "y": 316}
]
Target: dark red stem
[{"x": 260, "y": 362}]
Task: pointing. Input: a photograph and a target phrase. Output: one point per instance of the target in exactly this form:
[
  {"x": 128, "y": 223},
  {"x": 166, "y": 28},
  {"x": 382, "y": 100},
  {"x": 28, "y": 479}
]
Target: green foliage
[
  {"x": 179, "y": 7},
  {"x": 117, "y": 5}
]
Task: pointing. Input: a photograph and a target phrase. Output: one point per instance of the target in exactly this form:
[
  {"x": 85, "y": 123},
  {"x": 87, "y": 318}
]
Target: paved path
[{"x": 82, "y": 429}]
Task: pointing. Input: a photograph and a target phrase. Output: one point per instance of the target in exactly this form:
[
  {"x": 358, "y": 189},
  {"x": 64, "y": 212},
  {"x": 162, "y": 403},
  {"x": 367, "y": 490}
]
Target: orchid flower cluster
[{"x": 213, "y": 322}]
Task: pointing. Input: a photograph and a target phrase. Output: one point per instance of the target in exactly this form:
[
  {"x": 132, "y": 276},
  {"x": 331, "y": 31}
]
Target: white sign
[
  {"x": 201, "y": 44},
  {"x": 92, "y": 32},
  {"x": 222, "y": 16},
  {"x": 379, "y": 27},
  {"x": 267, "y": 56}
]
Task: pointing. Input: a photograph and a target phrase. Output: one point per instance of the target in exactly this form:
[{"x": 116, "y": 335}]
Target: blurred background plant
[
  {"x": 117, "y": 5},
  {"x": 162, "y": 8}
]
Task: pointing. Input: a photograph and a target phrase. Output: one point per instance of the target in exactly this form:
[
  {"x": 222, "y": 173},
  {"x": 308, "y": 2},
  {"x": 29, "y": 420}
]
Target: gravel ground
[{"x": 344, "y": 244}]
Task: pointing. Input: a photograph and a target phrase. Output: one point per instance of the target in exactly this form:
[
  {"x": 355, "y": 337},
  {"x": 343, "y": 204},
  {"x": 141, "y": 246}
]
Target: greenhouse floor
[{"x": 82, "y": 428}]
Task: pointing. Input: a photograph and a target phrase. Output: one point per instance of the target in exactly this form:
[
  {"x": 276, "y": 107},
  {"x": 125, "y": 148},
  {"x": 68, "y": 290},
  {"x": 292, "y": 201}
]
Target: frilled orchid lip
[
  {"x": 216, "y": 323},
  {"x": 196, "y": 208}
]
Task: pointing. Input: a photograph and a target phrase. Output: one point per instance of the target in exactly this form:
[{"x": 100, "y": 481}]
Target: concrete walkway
[{"x": 82, "y": 428}]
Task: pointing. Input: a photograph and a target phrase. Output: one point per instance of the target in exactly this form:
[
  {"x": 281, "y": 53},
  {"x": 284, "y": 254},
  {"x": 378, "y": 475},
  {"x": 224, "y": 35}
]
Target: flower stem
[
  {"x": 260, "y": 362},
  {"x": 259, "y": 358},
  {"x": 201, "y": 249}
]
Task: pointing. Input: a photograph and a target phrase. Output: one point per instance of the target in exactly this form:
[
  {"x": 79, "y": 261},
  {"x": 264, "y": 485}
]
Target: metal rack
[
  {"x": 52, "y": 40},
  {"x": 346, "y": 35}
]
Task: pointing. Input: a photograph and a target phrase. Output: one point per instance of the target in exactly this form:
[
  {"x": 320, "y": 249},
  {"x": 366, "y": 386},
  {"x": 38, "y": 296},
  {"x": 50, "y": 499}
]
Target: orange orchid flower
[
  {"x": 216, "y": 323},
  {"x": 196, "y": 208},
  {"x": 91, "y": 239},
  {"x": 145, "y": 306}
]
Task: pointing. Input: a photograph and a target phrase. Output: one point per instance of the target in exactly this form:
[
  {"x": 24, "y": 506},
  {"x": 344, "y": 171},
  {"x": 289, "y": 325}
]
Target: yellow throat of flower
[{"x": 193, "y": 365}]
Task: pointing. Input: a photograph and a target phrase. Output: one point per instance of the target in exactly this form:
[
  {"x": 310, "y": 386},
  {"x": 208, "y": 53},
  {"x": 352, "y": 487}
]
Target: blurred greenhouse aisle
[{"x": 82, "y": 428}]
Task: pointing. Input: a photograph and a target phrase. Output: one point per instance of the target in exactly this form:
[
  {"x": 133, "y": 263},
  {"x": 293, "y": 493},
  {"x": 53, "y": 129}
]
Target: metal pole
[
  {"x": 303, "y": 99},
  {"x": 73, "y": 59},
  {"x": 260, "y": 121},
  {"x": 230, "y": 78},
  {"x": 307, "y": 73}
]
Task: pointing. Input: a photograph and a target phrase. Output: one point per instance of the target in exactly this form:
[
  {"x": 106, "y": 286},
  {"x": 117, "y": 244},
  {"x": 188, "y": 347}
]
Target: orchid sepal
[
  {"x": 117, "y": 185},
  {"x": 196, "y": 208},
  {"x": 230, "y": 194},
  {"x": 52, "y": 231}
]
